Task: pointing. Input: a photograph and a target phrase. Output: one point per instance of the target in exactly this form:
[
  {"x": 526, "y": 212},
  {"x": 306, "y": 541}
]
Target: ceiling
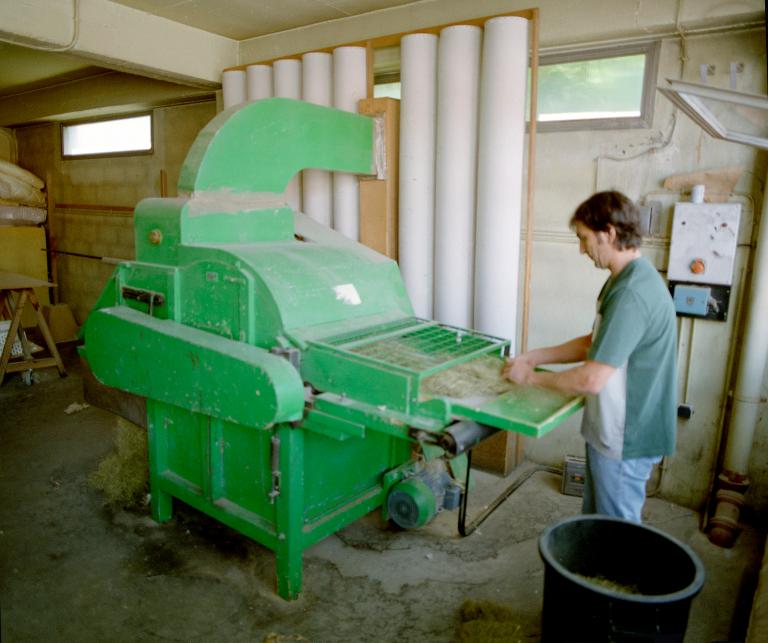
[
  {"x": 24, "y": 70},
  {"x": 241, "y": 19}
]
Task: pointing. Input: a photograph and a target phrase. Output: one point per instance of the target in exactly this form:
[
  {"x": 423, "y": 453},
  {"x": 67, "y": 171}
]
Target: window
[
  {"x": 599, "y": 89},
  {"x": 386, "y": 90},
  {"x": 132, "y": 135},
  {"x": 723, "y": 113},
  {"x": 386, "y": 72},
  {"x": 605, "y": 88}
]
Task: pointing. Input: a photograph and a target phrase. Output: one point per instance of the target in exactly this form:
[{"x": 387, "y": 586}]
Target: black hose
[{"x": 466, "y": 530}]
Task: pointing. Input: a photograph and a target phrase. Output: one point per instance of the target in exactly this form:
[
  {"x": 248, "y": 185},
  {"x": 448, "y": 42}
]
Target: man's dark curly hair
[{"x": 614, "y": 209}]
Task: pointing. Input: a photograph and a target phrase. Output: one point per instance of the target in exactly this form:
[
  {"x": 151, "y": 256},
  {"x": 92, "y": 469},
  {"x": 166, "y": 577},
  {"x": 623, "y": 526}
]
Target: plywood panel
[{"x": 22, "y": 250}]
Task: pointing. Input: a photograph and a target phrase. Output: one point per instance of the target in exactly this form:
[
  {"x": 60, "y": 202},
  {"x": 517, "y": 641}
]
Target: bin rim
[{"x": 686, "y": 593}]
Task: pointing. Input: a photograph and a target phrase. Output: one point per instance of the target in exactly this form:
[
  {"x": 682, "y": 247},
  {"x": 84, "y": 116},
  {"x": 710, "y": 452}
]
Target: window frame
[
  {"x": 105, "y": 119},
  {"x": 651, "y": 51}
]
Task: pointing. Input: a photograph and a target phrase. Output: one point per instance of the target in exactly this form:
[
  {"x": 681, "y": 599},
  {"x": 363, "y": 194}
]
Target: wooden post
[
  {"x": 379, "y": 196},
  {"x": 369, "y": 80},
  {"x": 51, "y": 230},
  {"x": 520, "y": 439}
]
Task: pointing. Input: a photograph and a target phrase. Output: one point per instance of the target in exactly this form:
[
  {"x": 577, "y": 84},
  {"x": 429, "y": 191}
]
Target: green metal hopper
[{"x": 283, "y": 367}]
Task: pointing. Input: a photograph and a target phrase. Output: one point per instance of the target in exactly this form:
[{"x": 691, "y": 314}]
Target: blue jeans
[{"x": 616, "y": 487}]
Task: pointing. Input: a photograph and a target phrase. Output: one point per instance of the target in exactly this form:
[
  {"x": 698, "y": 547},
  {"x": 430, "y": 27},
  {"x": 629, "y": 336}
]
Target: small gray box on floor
[{"x": 573, "y": 475}]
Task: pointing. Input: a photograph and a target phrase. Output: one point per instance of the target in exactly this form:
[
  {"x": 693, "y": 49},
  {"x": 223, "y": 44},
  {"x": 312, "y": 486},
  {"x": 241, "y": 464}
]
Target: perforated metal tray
[{"x": 418, "y": 346}]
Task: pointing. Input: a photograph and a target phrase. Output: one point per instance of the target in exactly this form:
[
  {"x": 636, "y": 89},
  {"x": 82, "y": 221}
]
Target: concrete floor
[{"x": 72, "y": 569}]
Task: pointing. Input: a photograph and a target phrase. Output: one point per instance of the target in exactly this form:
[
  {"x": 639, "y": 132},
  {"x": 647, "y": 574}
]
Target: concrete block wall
[{"x": 110, "y": 187}]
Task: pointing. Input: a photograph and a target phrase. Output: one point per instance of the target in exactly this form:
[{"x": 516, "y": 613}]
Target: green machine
[{"x": 281, "y": 362}]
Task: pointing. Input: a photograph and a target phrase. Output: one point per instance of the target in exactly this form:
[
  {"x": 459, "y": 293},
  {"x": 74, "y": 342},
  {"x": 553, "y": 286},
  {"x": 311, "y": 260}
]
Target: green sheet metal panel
[
  {"x": 287, "y": 136},
  {"x": 528, "y": 410},
  {"x": 337, "y": 473},
  {"x": 314, "y": 284},
  {"x": 193, "y": 369},
  {"x": 223, "y": 219},
  {"x": 157, "y": 229},
  {"x": 142, "y": 279},
  {"x": 215, "y": 299},
  {"x": 183, "y": 437},
  {"x": 329, "y": 371},
  {"x": 244, "y": 467},
  {"x": 187, "y": 462}
]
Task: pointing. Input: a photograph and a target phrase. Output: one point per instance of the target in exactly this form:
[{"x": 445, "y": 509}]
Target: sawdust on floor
[
  {"x": 488, "y": 622},
  {"x": 123, "y": 476}
]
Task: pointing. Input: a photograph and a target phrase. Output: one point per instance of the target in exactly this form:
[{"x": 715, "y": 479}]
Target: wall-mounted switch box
[
  {"x": 706, "y": 302},
  {"x": 691, "y": 300},
  {"x": 704, "y": 242}
]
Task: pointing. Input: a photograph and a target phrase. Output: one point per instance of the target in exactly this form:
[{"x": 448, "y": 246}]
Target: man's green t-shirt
[{"x": 635, "y": 414}]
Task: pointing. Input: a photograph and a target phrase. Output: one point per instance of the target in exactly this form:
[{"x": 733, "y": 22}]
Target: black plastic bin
[{"x": 581, "y": 553}]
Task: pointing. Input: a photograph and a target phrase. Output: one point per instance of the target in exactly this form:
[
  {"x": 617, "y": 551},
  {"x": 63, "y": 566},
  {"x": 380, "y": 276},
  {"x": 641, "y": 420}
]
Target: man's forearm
[
  {"x": 587, "y": 379},
  {"x": 570, "y": 352}
]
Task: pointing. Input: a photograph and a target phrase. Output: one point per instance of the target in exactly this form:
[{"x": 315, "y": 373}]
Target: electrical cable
[
  {"x": 466, "y": 530},
  {"x": 666, "y": 140}
]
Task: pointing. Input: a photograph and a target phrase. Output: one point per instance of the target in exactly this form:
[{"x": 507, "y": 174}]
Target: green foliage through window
[
  {"x": 588, "y": 89},
  {"x": 604, "y": 88}
]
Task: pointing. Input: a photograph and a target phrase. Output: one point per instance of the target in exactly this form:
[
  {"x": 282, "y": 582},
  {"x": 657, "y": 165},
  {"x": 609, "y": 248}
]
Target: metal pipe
[
  {"x": 733, "y": 481},
  {"x": 754, "y": 352}
]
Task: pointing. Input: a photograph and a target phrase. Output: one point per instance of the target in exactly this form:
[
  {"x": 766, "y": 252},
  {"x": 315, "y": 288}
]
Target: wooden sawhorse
[{"x": 12, "y": 308}]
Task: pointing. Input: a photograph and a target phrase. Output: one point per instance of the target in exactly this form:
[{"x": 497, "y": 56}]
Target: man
[{"x": 628, "y": 362}]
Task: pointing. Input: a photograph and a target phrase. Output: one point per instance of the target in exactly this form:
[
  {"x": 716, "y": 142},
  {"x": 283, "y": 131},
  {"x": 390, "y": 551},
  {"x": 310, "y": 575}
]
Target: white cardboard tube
[
  {"x": 458, "y": 74},
  {"x": 259, "y": 81},
  {"x": 286, "y": 76},
  {"x": 233, "y": 87},
  {"x": 317, "y": 88},
  {"x": 349, "y": 86},
  {"x": 747, "y": 399},
  {"x": 418, "y": 79},
  {"x": 500, "y": 175}
]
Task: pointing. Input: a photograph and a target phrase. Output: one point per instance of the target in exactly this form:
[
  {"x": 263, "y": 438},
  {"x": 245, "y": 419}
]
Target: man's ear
[{"x": 610, "y": 234}]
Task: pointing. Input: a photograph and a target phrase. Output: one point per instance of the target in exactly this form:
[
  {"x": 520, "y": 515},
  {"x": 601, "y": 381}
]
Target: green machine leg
[
  {"x": 161, "y": 502},
  {"x": 288, "y": 455}
]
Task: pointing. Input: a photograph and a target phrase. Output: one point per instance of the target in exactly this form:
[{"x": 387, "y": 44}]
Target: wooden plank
[
  {"x": 369, "y": 80},
  {"x": 379, "y": 196},
  {"x": 519, "y": 439},
  {"x": 15, "y": 281},
  {"x": 100, "y": 208},
  {"x": 26, "y": 365},
  {"x": 26, "y": 293},
  {"x": 43, "y": 325},
  {"x": 5, "y": 356}
]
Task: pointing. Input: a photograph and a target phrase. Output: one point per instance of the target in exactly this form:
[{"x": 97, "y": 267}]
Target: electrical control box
[
  {"x": 701, "y": 258},
  {"x": 574, "y": 473},
  {"x": 704, "y": 241},
  {"x": 691, "y": 300}
]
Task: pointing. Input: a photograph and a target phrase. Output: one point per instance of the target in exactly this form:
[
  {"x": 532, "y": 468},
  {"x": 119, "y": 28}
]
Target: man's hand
[{"x": 518, "y": 370}]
